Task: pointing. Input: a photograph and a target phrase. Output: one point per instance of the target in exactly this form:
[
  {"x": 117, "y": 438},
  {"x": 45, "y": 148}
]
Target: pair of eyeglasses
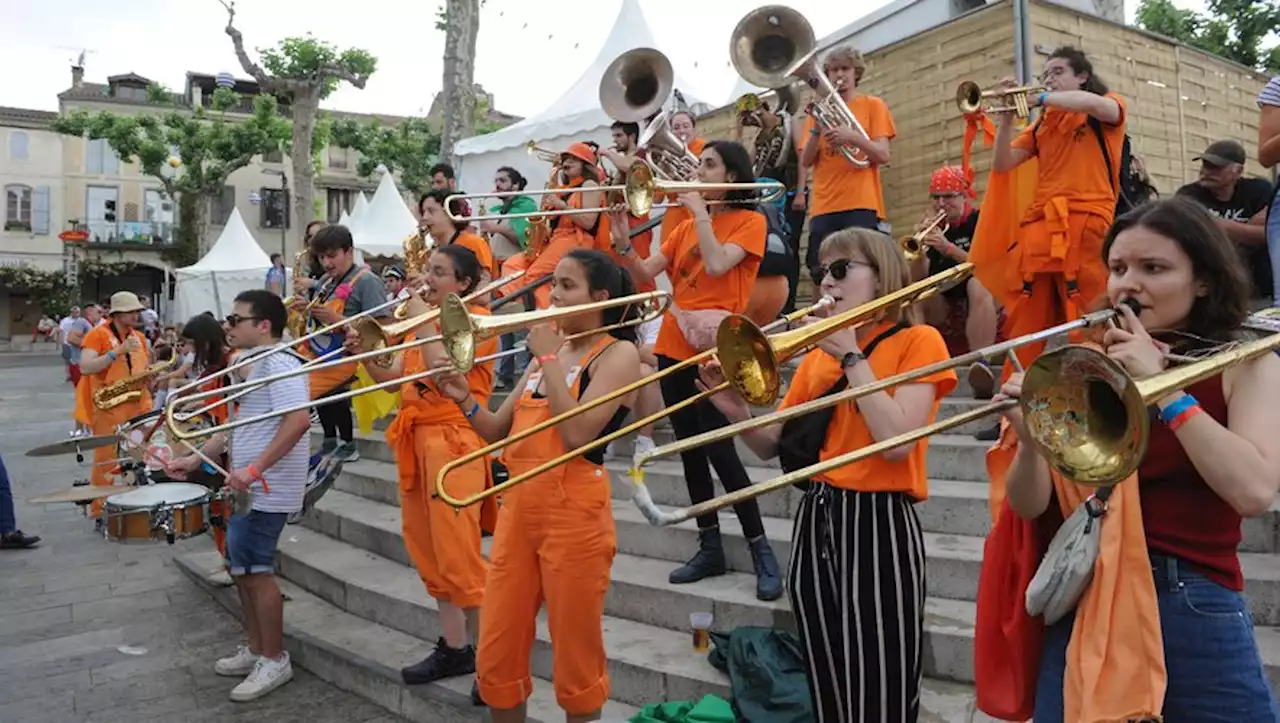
[
  {"x": 235, "y": 319},
  {"x": 839, "y": 268}
]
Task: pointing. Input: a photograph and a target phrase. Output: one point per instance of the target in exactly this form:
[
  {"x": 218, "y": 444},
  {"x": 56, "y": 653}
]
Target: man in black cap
[
  {"x": 1239, "y": 203},
  {"x": 393, "y": 278}
]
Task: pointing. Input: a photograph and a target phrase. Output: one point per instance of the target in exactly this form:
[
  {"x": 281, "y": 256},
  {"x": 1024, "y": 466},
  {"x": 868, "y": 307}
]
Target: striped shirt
[
  {"x": 288, "y": 476},
  {"x": 1270, "y": 95}
]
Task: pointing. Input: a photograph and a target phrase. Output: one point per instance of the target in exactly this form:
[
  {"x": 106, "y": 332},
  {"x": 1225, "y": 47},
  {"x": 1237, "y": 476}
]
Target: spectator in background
[
  {"x": 276, "y": 275},
  {"x": 393, "y": 278},
  {"x": 1239, "y": 204},
  {"x": 150, "y": 320},
  {"x": 1269, "y": 156},
  {"x": 11, "y": 538},
  {"x": 443, "y": 178},
  {"x": 81, "y": 324},
  {"x": 64, "y": 326},
  {"x": 45, "y": 329}
]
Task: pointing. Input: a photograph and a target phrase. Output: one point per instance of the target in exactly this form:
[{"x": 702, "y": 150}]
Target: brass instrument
[
  {"x": 296, "y": 323},
  {"x": 417, "y": 250},
  {"x": 639, "y": 191},
  {"x": 969, "y": 97},
  {"x": 913, "y": 245},
  {"x": 130, "y": 388},
  {"x": 746, "y": 104},
  {"x": 461, "y": 334},
  {"x": 774, "y": 45},
  {"x": 543, "y": 154},
  {"x": 636, "y": 84},
  {"x": 664, "y": 150}
]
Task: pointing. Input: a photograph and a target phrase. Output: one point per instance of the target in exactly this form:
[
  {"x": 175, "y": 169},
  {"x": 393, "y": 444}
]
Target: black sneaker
[
  {"x": 476, "y": 700},
  {"x": 444, "y": 662},
  {"x": 17, "y": 541}
]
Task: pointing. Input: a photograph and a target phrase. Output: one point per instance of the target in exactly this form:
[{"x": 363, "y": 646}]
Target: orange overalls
[
  {"x": 103, "y": 340},
  {"x": 565, "y": 237},
  {"x": 429, "y": 431},
  {"x": 219, "y": 414},
  {"x": 555, "y": 542},
  {"x": 324, "y": 381}
]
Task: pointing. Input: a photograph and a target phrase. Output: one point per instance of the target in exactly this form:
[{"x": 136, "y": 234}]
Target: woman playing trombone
[
  {"x": 856, "y": 577},
  {"x": 555, "y": 539},
  {"x": 712, "y": 260},
  {"x": 1163, "y": 628}
]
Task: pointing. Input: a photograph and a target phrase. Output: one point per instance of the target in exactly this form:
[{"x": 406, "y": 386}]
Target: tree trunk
[
  {"x": 462, "y": 25},
  {"x": 306, "y": 106},
  {"x": 193, "y": 222}
]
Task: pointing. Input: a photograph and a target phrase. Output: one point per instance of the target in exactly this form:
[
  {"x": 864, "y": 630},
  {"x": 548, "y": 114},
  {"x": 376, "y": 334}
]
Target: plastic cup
[{"x": 701, "y": 623}]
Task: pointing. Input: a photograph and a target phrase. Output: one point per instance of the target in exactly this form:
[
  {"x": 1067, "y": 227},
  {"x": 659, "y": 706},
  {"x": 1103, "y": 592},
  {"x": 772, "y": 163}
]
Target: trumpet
[
  {"x": 1098, "y": 446},
  {"x": 640, "y": 190},
  {"x": 461, "y": 333},
  {"x": 969, "y": 97},
  {"x": 913, "y": 245},
  {"x": 542, "y": 154},
  {"x": 774, "y": 45}
]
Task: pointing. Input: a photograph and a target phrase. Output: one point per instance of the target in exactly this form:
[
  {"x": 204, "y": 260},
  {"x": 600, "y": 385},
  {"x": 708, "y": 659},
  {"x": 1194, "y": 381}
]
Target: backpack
[{"x": 779, "y": 257}]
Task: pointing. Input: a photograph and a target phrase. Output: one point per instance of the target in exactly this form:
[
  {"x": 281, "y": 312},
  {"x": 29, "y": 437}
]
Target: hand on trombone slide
[{"x": 1129, "y": 343}]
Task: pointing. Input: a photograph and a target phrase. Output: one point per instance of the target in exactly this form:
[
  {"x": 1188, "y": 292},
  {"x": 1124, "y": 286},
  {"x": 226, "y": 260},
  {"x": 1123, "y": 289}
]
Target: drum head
[{"x": 168, "y": 493}]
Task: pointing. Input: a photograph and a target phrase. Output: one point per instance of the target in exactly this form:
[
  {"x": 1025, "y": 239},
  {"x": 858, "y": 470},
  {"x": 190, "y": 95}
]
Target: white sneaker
[
  {"x": 642, "y": 445},
  {"x": 239, "y": 664},
  {"x": 266, "y": 676}
]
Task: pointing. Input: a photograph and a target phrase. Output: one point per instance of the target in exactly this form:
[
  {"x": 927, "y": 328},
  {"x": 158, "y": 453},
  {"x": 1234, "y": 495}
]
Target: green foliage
[
  {"x": 54, "y": 292},
  {"x": 410, "y": 148},
  {"x": 1232, "y": 29},
  {"x": 307, "y": 58},
  {"x": 442, "y": 17}
]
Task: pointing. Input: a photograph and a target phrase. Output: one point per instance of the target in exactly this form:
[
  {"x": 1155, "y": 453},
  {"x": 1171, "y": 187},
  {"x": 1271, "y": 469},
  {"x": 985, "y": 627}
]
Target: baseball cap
[{"x": 1222, "y": 153}]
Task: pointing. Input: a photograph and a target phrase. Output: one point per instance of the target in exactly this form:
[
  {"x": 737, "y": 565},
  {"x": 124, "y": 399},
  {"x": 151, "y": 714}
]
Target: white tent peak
[
  {"x": 344, "y": 219},
  {"x": 386, "y": 221},
  {"x": 235, "y": 250},
  {"x": 357, "y": 212},
  {"x": 578, "y": 110}
]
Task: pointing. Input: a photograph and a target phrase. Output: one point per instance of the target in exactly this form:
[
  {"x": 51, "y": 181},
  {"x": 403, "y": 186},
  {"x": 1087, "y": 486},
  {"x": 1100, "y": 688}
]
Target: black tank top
[{"x": 596, "y": 456}]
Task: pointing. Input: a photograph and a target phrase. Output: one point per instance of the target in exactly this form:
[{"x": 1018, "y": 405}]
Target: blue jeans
[
  {"x": 8, "y": 522},
  {"x": 511, "y": 367},
  {"x": 1214, "y": 671},
  {"x": 1273, "y": 245},
  {"x": 252, "y": 540}
]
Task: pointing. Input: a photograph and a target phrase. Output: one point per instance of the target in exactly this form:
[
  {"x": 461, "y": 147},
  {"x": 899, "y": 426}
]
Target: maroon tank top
[{"x": 1183, "y": 517}]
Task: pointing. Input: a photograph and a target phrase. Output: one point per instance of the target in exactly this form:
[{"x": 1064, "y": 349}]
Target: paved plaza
[{"x": 97, "y": 631}]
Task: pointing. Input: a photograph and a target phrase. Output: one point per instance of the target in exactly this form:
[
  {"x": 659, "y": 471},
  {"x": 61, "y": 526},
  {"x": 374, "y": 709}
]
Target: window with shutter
[
  {"x": 40, "y": 211},
  {"x": 18, "y": 141},
  {"x": 17, "y": 214}
]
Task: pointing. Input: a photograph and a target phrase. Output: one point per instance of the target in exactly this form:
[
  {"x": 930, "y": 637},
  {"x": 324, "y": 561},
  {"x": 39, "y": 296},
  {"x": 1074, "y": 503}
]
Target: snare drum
[{"x": 170, "y": 511}]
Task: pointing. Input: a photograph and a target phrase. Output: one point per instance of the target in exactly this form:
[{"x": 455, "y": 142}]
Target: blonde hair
[
  {"x": 885, "y": 258},
  {"x": 846, "y": 54}
]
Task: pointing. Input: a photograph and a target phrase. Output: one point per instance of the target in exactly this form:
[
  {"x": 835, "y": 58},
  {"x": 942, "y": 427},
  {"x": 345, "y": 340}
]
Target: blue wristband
[
  {"x": 111, "y": 355},
  {"x": 1179, "y": 405},
  {"x": 473, "y": 411},
  {"x": 1042, "y": 97}
]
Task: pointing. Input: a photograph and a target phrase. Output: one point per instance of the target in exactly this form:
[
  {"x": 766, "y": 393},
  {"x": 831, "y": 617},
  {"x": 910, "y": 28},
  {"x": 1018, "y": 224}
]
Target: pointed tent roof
[
  {"x": 357, "y": 212},
  {"x": 578, "y": 110},
  {"x": 344, "y": 219},
  {"x": 385, "y": 223},
  {"x": 235, "y": 250}
]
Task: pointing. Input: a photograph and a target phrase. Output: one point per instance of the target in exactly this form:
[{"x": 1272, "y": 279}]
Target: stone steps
[{"x": 364, "y": 657}]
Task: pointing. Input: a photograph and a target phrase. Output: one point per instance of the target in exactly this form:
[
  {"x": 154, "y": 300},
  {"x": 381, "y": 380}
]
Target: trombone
[
  {"x": 969, "y": 97},
  {"x": 1097, "y": 446},
  {"x": 639, "y": 191},
  {"x": 913, "y": 245},
  {"x": 458, "y": 341},
  {"x": 751, "y": 361},
  {"x": 636, "y": 84}
]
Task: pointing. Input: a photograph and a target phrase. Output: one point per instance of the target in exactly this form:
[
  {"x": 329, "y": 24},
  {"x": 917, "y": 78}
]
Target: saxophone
[
  {"x": 417, "y": 250},
  {"x": 297, "y": 321},
  {"x": 130, "y": 388}
]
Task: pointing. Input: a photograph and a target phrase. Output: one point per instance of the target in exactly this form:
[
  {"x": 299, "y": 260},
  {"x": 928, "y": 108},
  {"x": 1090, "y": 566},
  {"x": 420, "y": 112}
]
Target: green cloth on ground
[
  {"x": 766, "y": 673},
  {"x": 708, "y": 710}
]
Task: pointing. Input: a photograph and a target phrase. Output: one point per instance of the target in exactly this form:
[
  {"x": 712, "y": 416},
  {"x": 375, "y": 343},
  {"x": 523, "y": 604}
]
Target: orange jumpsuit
[
  {"x": 429, "y": 431},
  {"x": 326, "y": 380},
  {"x": 555, "y": 542},
  {"x": 565, "y": 237},
  {"x": 102, "y": 340}
]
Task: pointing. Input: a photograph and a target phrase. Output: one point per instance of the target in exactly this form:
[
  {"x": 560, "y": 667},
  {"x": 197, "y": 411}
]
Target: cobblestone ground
[{"x": 92, "y": 630}]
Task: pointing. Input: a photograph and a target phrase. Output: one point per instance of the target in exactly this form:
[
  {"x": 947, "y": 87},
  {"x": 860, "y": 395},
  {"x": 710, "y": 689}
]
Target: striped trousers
[{"x": 857, "y": 586}]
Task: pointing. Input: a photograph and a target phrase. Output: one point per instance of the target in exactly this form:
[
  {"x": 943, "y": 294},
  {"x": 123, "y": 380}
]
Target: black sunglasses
[
  {"x": 839, "y": 268},
  {"x": 235, "y": 319}
]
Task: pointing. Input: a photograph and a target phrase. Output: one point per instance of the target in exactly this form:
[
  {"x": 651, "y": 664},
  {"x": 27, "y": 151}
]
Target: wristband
[
  {"x": 814, "y": 131},
  {"x": 1183, "y": 416},
  {"x": 1176, "y": 408},
  {"x": 542, "y": 360},
  {"x": 112, "y": 355},
  {"x": 1042, "y": 97},
  {"x": 475, "y": 407},
  {"x": 254, "y": 474}
]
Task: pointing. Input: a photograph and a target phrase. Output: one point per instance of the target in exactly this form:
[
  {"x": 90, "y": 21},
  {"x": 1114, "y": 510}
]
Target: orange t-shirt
[
  {"x": 480, "y": 247},
  {"x": 692, "y": 288},
  {"x": 837, "y": 184},
  {"x": 677, "y": 215},
  {"x": 910, "y": 348},
  {"x": 1071, "y": 162},
  {"x": 102, "y": 339},
  {"x": 430, "y": 406}
]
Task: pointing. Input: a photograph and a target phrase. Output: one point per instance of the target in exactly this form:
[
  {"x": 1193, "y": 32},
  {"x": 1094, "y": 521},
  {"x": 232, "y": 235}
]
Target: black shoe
[
  {"x": 17, "y": 541},
  {"x": 768, "y": 576},
  {"x": 476, "y": 700},
  {"x": 709, "y": 562},
  {"x": 990, "y": 434},
  {"x": 444, "y": 662}
]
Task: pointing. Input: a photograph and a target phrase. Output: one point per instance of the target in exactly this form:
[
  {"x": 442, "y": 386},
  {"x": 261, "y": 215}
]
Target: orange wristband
[{"x": 542, "y": 360}]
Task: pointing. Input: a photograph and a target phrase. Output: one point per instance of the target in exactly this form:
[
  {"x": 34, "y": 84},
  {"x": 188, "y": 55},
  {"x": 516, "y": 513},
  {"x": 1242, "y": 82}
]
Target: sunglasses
[
  {"x": 235, "y": 319},
  {"x": 839, "y": 268}
]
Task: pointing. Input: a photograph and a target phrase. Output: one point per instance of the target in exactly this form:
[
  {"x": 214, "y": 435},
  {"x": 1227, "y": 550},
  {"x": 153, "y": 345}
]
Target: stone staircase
[{"x": 358, "y": 610}]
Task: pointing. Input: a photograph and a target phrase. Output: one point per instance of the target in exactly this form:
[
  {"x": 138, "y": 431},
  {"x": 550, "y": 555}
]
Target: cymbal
[
  {"x": 72, "y": 445},
  {"x": 82, "y": 493}
]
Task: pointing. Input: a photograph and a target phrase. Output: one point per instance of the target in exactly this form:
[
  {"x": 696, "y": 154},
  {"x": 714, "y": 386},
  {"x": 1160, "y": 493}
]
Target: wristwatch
[{"x": 851, "y": 359}]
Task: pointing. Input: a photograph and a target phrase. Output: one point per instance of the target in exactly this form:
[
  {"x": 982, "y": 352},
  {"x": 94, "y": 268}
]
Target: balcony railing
[{"x": 141, "y": 233}]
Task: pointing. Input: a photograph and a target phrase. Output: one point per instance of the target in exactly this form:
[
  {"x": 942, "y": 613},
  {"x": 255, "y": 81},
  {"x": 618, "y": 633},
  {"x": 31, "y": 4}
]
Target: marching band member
[
  {"x": 775, "y": 159},
  {"x": 577, "y": 171},
  {"x": 515, "y": 233},
  {"x": 210, "y": 354},
  {"x": 1163, "y": 628},
  {"x": 966, "y": 315},
  {"x": 857, "y": 572},
  {"x": 1078, "y": 141},
  {"x": 685, "y": 127},
  {"x": 345, "y": 290},
  {"x": 429, "y": 431},
  {"x": 843, "y": 195},
  {"x": 110, "y": 353},
  {"x": 446, "y": 232},
  {"x": 626, "y": 139},
  {"x": 712, "y": 261},
  {"x": 555, "y": 539}
]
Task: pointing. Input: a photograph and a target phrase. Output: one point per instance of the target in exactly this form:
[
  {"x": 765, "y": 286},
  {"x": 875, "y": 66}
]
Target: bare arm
[
  {"x": 877, "y": 149},
  {"x": 1007, "y": 157},
  {"x": 891, "y": 416},
  {"x": 717, "y": 258},
  {"x": 642, "y": 270},
  {"x": 618, "y": 366},
  {"x": 91, "y": 362},
  {"x": 494, "y": 426},
  {"x": 590, "y": 199},
  {"x": 1250, "y": 233},
  {"x": 1028, "y": 485},
  {"x": 809, "y": 156},
  {"x": 1101, "y": 107}
]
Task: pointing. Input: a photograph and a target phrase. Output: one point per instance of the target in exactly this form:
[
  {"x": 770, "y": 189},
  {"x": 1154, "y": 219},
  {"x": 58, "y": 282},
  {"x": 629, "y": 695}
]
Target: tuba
[
  {"x": 130, "y": 388},
  {"x": 636, "y": 84}
]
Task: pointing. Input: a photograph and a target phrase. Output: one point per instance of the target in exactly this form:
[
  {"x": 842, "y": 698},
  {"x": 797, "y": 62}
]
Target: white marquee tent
[
  {"x": 235, "y": 263},
  {"x": 357, "y": 212},
  {"x": 385, "y": 223},
  {"x": 574, "y": 116}
]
